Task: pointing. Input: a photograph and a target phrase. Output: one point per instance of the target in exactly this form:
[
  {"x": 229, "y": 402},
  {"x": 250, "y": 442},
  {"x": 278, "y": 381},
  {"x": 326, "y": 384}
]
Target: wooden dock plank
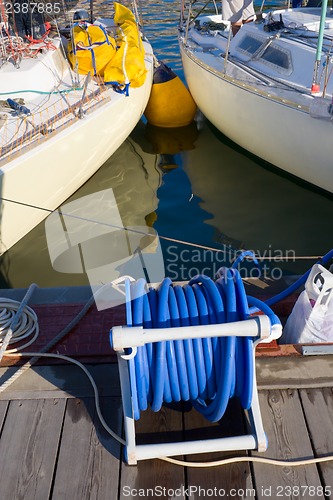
[
  {"x": 166, "y": 425},
  {"x": 3, "y": 411},
  {"x": 105, "y": 474},
  {"x": 88, "y": 462},
  {"x": 318, "y": 410},
  {"x": 288, "y": 439},
  {"x": 28, "y": 448},
  {"x": 57, "y": 449},
  {"x": 60, "y": 381},
  {"x": 233, "y": 479}
]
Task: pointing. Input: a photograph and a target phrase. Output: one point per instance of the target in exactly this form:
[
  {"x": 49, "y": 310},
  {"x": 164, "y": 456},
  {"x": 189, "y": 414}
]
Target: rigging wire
[{"x": 165, "y": 238}]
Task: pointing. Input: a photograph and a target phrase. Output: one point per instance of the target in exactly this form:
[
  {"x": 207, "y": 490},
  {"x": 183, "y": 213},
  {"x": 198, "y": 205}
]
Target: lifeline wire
[{"x": 319, "y": 259}]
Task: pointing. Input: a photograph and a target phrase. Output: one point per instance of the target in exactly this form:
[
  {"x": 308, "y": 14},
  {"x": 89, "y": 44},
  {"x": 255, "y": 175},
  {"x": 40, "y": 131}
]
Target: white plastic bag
[{"x": 311, "y": 320}]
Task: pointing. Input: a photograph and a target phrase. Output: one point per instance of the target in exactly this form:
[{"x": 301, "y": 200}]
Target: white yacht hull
[
  {"x": 260, "y": 94},
  {"x": 281, "y": 134},
  {"x": 36, "y": 182}
]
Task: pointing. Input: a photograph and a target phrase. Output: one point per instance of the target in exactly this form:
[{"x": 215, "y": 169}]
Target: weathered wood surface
[
  {"x": 57, "y": 449},
  {"x": 233, "y": 479},
  {"x": 154, "y": 475},
  {"x": 318, "y": 410},
  {"x": 28, "y": 448},
  {"x": 288, "y": 439},
  {"x": 61, "y": 381},
  {"x": 3, "y": 411},
  {"x": 88, "y": 462}
]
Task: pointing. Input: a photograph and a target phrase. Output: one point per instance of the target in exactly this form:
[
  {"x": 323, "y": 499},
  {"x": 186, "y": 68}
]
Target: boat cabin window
[
  {"x": 278, "y": 57},
  {"x": 270, "y": 55},
  {"x": 250, "y": 44}
]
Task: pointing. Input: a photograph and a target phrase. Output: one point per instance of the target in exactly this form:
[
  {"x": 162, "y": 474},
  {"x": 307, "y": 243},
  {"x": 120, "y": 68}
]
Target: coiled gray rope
[
  {"x": 17, "y": 322},
  {"x": 48, "y": 346}
]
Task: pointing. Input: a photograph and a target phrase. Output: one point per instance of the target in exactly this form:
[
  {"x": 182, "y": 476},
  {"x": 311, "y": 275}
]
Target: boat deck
[{"x": 52, "y": 445}]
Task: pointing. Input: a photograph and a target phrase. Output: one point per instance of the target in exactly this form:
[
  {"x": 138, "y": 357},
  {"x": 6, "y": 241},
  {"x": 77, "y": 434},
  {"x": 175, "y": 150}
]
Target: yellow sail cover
[
  {"x": 128, "y": 64},
  {"x": 91, "y": 49},
  {"x": 119, "y": 60}
]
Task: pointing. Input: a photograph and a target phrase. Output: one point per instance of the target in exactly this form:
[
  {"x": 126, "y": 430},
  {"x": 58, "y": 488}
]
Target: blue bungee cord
[
  {"x": 285, "y": 293},
  {"x": 207, "y": 372}
]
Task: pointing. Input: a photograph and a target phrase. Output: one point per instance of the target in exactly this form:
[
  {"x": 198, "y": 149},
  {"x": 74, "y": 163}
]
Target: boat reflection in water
[
  {"x": 193, "y": 186},
  {"x": 134, "y": 173},
  {"x": 257, "y": 208}
]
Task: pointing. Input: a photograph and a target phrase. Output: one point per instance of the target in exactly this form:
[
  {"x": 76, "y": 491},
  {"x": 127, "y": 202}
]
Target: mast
[
  {"x": 315, "y": 84},
  {"x": 91, "y": 4}
]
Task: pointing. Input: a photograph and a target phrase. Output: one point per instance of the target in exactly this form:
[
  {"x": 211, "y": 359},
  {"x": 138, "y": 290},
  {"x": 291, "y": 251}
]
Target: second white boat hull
[{"x": 277, "y": 131}]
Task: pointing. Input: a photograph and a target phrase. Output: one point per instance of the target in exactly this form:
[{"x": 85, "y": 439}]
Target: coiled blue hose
[{"x": 207, "y": 372}]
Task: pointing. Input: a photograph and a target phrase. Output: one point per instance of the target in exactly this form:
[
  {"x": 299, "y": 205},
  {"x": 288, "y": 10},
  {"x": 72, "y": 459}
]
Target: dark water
[{"x": 194, "y": 186}]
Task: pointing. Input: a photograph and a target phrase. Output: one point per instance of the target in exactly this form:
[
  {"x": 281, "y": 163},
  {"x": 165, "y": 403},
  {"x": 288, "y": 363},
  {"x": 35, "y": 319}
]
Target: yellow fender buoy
[{"x": 170, "y": 103}]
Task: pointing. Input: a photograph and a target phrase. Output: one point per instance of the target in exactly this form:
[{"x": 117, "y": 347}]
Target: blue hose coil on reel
[{"x": 207, "y": 372}]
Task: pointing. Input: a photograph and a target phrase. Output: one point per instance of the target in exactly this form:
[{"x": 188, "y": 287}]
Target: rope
[
  {"x": 269, "y": 461},
  {"x": 8, "y": 38},
  {"x": 15, "y": 47},
  {"x": 17, "y": 322},
  {"x": 207, "y": 372},
  {"x": 37, "y": 355},
  {"x": 47, "y": 347},
  {"x": 260, "y": 460},
  {"x": 124, "y": 55},
  {"x": 182, "y": 463}
]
